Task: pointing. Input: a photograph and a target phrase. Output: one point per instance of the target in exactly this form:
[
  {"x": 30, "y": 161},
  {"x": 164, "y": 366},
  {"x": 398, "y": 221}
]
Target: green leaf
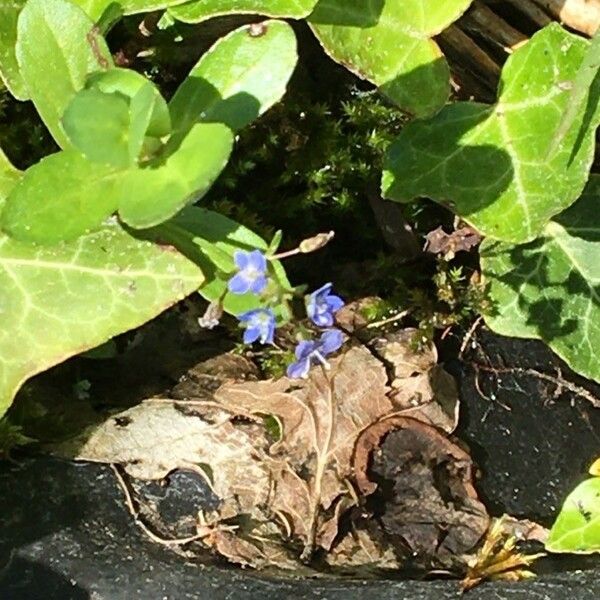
[
  {"x": 238, "y": 79},
  {"x": 57, "y": 47},
  {"x": 488, "y": 163},
  {"x": 96, "y": 8},
  {"x": 201, "y": 10},
  {"x": 577, "y": 528},
  {"x": 389, "y": 43},
  {"x": 138, "y": 89},
  {"x": 9, "y": 68},
  {"x": 59, "y": 301},
  {"x": 550, "y": 288},
  {"x": 60, "y": 198},
  {"x": 97, "y": 124},
  {"x": 589, "y": 69},
  {"x": 210, "y": 240},
  {"x": 9, "y": 177},
  {"x": 156, "y": 192}
]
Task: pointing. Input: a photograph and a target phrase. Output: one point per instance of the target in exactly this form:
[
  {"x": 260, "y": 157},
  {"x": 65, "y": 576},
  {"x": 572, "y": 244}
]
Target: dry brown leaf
[
  {"x": 320, "y": 421},
  {"x": 448, "y": 244},
  {"x": 160, "y": 436}
]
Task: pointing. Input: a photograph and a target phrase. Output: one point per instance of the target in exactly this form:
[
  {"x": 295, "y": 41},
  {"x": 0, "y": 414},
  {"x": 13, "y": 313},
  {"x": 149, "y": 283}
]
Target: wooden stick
[
  {"x": 470, "y": 55},
  {"x": 581, "y": 15},
  {"x": 532, "y": 11},
  {"x": 481, "y": 19}
]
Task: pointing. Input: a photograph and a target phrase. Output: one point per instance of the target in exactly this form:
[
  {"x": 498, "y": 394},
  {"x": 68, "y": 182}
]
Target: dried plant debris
[
  {"x": 498, "y": 559},
  {"x": 297, "y": 500},
  {"x": 462, "y": 239}
]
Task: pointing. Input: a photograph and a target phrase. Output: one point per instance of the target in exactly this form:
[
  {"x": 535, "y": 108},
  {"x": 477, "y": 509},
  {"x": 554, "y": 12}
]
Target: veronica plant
[{"x": 102, "y": 235}]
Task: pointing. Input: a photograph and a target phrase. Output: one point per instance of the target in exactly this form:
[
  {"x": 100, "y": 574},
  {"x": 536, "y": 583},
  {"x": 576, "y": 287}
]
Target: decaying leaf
[
  {"x": 448, "y": 244},
  {"x": 425, "y": 497},
  {"x": 320, "y": 421},
  {"x": 280, "y": 501}
]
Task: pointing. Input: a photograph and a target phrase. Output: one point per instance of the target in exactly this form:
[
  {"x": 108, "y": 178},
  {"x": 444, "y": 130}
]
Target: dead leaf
[
  {"x": 320, "y": 421},
  {"x": 448, "y": 244},
  {"x": 426, "y": 498}
]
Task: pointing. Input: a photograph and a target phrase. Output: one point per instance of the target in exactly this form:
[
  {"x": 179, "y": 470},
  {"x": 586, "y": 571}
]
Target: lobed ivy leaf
[
  {"x": 9, "y": 68},
  {"x": 61, "y": 197},
  {"x": 201, "y": 10},
  {"x": 59, "y": 301},
  {"x": 550, "y": 288},
  {"x": 577, "y": 527},
  {"x": 96, "y": 8},
  {"x": 153, "y": 194},
  {"x": 57, "y": 48},
  {"x": 389, "y": 43},
  {"x": 9, "y": 177},
  {"x": 489, "y": 163},
  {"x": 238, "y": 79},
  {"x": 210, "y": 240}
]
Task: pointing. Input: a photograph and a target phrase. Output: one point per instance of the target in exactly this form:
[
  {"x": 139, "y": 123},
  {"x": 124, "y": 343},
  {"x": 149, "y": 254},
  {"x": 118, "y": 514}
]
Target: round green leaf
[
  {"x": 60, "y": 198},
  {"x": 577, "y": 528},
  {"x": 97, "y": 124},
  {"x": 57, "y": 47},
  {"x": 151, "y": 195},
  {"x": 550, "y": 288},
  {"x": 59, "y": 301},
  {"x": 389, "y": 43},
  {"x": 238, "y": 79},
  {"x": 489, "y": 164},
  {"x": 9, "y": 177},
  {"x": 95, "y": 8},
  {"x": 9, "y": 68},
  {"x": 201, "y": 10}
]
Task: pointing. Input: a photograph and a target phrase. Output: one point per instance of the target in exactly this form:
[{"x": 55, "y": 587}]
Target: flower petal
[
  {"x": 247, "y": 316},
  {"x": 241, "y": 259},
  {"x": 331, "y": 340},
  {"x": 251, "y": 334},
  {"x": 334, "y": 303},
  {"x": 322, "y": 291},
  {"x": 323, "y": 319},
  {"x": 257, "y": 260},
  {"x": 305, "y": 348},
  {"x": 238, "y": 284},
  {"x": 258, "y": 284},
  {"x": 299, "y": 368}
]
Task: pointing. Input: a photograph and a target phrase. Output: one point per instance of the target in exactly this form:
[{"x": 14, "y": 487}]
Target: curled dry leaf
[{"x": 448, "y": 244}]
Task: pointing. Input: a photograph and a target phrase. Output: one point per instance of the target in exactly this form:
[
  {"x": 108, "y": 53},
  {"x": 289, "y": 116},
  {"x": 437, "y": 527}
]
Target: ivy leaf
[
  {"x": 57, "y": 47},
  {"x": 238, "y": 79},
  {"x": 389, "y": 43},
  {"x": 153, "y": 194},
  {"x": 488, "y": 163},
  {"x": 60, "y": 198},
  {"x": 96, "y": 8},
  {"x": 210, "y": 240},
  {"x": 9, "y": 68},
  {"x": 577, "y": 527},
  {"x": 201, "y": 10},
  {"x": 550, "y": 288},
  {"x": 9, "y": 177},
  {"x": 59, "y": 301}
]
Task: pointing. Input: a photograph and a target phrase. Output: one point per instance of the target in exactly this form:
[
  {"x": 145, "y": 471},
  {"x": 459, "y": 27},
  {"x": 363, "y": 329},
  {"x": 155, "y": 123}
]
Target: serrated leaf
[
  {"x": 238, "y": 79},
  {"x": 577, "y": 527},
  {"x": 60, "y": 198},
  {"x": 201, "y": 10},
  {"x": 9, "y": 68},
  {"x": 9, "y": 177},
  {"x": 59, "y": 301},
  {"x": 97, "y": 124},
  {"x": 389, "y": 43},
  {"x": 550, "y": 288},
  {"x": 488, "y": 163},
  {"x": 57, "y": 48},
  {"x": 153, "y": 194},
  {"x": 210, "y": 240}
]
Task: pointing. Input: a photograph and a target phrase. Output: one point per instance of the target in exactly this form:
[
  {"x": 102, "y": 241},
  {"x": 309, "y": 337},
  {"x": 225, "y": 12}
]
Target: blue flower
[
  {"x": 322, "y": 305},
  {"x": 252, "y": 272},
  {"x": 260, "y": 324},
  {"x": 314, "y": 352}
]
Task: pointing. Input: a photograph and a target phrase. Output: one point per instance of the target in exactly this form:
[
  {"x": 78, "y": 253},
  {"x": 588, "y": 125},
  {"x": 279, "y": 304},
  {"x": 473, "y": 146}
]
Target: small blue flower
[
  {"x": 314, "y": 352},
  {"x": 260, "y": 324},
  {"x": 252, "y": 272},
  {"x": 322, "y": 305}
]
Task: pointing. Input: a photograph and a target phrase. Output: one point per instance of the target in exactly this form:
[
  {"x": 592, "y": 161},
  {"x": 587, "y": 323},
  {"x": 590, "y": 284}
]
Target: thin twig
[
  {"x": 469, "y": 335},
  {"x": 389, "y": 320}
]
